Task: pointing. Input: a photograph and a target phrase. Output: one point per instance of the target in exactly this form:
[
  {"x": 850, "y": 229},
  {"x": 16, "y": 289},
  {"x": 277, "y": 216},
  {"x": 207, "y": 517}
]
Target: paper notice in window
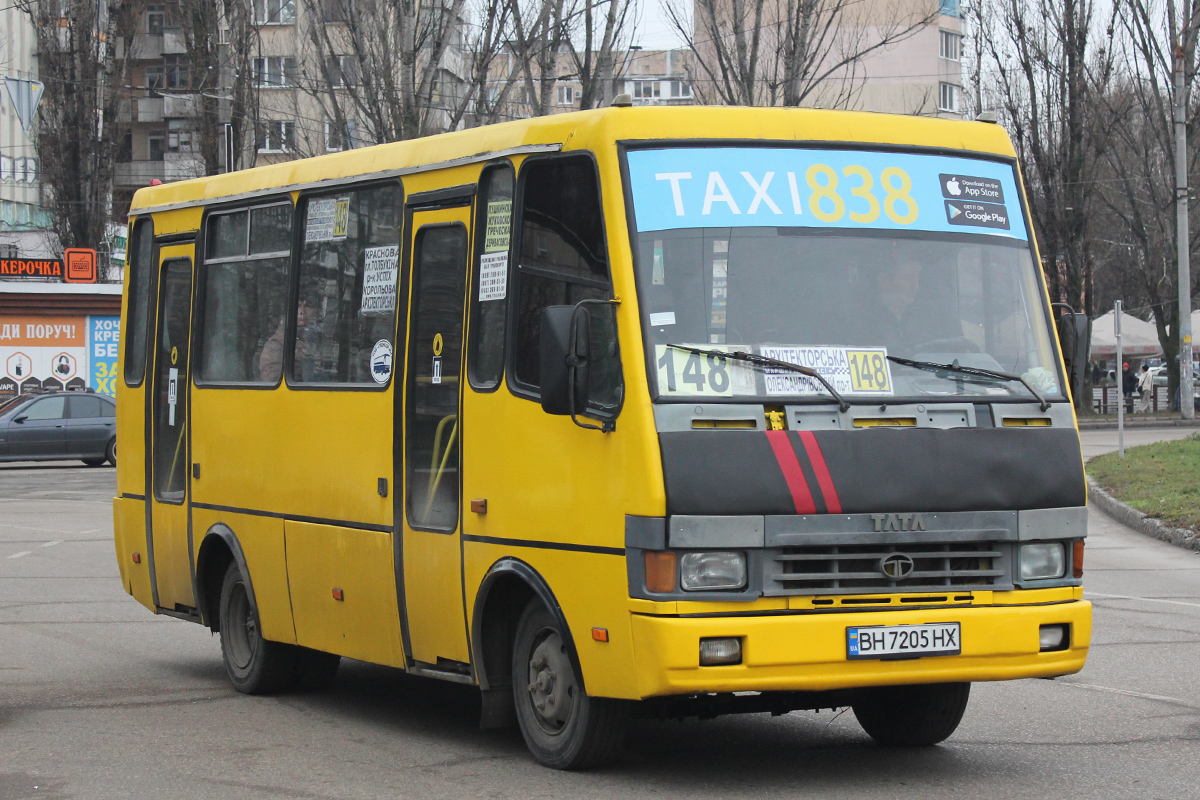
[
  {"x": 379, "y": 279},
  {"x": 499, "y": 226},
  {"x": 493, "y": 276},
  {"x": 328, "y": 219}
]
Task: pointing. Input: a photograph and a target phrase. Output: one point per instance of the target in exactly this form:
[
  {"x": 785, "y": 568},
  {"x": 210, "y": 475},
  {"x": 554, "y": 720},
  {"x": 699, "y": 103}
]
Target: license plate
[{"x": 889, "y": 641}]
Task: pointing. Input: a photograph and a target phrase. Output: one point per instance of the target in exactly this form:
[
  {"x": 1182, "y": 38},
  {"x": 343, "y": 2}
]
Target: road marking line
[
  {"x": 51, "y": 544},
  {"x": 1143, "y": 599},
  {"x": 20, "y": 554},
  {"x": 1128, "y": 693}
]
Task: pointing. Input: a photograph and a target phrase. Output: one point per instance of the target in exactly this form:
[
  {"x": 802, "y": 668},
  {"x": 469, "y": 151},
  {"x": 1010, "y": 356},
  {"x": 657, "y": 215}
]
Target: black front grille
[{"x": 828, "y": 569}]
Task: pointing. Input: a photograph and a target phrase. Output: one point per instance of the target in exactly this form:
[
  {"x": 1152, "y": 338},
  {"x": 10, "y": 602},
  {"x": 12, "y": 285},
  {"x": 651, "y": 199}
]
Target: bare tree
[
  {"x": 1139, "y": 184},
  {"x": 789, "y": 52},
  {"x": 221, "y": 80},
  {"x": 592, "y": 46},
  {"x": 79, "y": 114},
  {"x": 1046, "y": 66},
  {"x": 386, "y": 70},
  {"x": 539, "y": 35}
]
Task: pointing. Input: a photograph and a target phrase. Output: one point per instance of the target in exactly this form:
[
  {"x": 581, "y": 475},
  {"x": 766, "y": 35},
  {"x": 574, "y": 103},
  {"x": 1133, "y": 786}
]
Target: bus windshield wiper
[
  {"x": 977, "y": 372},
  {"x": 764, "y": 361}
]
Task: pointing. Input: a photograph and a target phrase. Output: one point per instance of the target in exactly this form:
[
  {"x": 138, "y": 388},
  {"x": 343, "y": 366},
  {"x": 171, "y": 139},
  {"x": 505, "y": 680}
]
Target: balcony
[
  {"x": 173, "y": 43},
  {"x": 146, "y": 47},
  {"x": 150, "y": 109},
  {"x": 179, "y": 106},
  {"x": 136, "y": 174}
]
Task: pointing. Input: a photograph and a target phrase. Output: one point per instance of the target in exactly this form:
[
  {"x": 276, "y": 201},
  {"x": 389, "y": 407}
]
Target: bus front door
[
  {"x": 167, "y": 467},
  {"x": 432, "y": 426}
]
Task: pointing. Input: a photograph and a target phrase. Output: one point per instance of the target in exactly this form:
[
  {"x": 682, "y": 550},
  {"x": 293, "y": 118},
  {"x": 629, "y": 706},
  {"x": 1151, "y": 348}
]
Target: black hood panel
[{"x": 864, "y": 471}]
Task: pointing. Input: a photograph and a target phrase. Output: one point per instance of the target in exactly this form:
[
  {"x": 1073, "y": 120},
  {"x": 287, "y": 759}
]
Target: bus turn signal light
[
  {"x": 137, "y": 558},
  {"x": 337, "y": 595},
  {"x": 1077, "y": 559},
  {"x": 600, "y": 634},
  {"x": 660, "y": 572}
]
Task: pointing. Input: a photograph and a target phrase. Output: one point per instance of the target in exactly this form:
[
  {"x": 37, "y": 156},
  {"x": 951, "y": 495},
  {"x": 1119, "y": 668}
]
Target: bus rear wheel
[
  {"x": 912, "y": 716},
  {"x": 255, "y": 665},
  {"x": 563, "y": 727}
]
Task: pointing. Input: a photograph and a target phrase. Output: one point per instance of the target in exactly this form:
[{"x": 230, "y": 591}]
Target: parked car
[{"x": 59, "y": 426}]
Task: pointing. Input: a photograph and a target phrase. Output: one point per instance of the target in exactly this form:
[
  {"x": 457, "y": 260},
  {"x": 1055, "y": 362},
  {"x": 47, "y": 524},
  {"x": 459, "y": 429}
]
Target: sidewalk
[{"x": 1098, "y": 441}]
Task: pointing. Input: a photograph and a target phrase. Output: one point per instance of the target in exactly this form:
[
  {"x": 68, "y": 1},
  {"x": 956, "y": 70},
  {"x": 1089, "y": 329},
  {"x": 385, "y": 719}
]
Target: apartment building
[
  {"x": 158, "y": 120},
  {"x": 24, "y": 223},
  {"x": 896, "y": 56},
  {"x": 921, "y": 74},
  {"x": 650, "y": 77},
  {"x": 656, "y": 77},
  {"x": 294, "y": 62}
]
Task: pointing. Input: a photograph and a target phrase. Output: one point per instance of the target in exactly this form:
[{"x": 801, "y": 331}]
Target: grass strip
[{"x": 1162, "y": 480}]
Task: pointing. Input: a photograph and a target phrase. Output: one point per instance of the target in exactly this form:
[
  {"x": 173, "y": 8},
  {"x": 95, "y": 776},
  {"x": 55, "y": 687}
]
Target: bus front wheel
[
  {"x": 912, "y": 716},
  {"x": 255, "y": 665},
  {"x": 563, "y": 727}
]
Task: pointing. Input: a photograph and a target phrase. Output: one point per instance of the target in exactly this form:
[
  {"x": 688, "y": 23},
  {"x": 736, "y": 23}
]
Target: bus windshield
[{"x": 856, "y": 264}]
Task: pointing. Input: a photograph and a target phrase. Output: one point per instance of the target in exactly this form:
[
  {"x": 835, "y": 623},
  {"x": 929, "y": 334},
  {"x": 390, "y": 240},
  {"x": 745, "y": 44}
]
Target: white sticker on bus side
[
  {"x": 328, "y": 219},
  {"x": 851, "y": 370},
  {"x": 380, "y": 270},
  {"x": 381, "y": 361},
  {"x": 683, "y": 373},
  {"x": 493, "y": 276}
]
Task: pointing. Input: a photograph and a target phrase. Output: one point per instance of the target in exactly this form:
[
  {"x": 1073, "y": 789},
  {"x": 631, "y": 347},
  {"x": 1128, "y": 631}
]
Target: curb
[
  {"x": 1141, "y": 424},
  {"x": 1131, "y": 517}
]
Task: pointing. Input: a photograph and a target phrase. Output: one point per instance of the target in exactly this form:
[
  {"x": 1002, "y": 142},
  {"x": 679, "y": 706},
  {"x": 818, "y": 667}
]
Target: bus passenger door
[
  {"x": 168, "y": 441},
  {"x": 432, "y": 554}
]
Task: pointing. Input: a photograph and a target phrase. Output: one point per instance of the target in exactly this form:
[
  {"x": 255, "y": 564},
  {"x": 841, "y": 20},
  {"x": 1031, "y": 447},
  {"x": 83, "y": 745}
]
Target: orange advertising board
[
  {"x": 79, "y": 265},
  {"x": 27, "y": 331}
]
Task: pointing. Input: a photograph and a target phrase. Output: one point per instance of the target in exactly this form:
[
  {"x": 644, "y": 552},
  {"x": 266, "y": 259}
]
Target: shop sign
[
  {"x": 56, "y": 353},
  {"x": 80, "y": 267},
  {"x": 30, "y": 268}
]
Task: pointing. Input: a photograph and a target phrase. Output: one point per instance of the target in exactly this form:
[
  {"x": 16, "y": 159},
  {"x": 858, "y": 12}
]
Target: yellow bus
[{"x": 634, "y": 412}]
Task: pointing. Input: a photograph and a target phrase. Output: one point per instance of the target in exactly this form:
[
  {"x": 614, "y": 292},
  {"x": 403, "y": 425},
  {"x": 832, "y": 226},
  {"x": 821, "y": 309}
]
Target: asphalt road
[{"x": 101, "y": 699}]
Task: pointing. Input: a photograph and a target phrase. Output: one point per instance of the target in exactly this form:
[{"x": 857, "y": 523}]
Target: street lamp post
[{"x": 1181, "y": 236}]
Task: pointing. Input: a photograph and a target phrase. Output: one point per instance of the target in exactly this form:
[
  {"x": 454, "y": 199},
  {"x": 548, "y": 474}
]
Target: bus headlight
[
  {"x": 712, "y": 571},
  {"x": 1042, "y": 560}
]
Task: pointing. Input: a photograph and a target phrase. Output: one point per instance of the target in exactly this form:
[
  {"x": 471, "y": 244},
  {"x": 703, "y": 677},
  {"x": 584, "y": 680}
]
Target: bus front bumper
[{"x": 807, "y": 652}]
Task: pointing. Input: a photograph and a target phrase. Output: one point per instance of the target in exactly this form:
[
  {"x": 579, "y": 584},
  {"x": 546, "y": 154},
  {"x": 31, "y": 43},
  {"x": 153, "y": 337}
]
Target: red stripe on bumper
[
  {"x": 790, "y": 466},
  {"x": 832, "y": 504}
]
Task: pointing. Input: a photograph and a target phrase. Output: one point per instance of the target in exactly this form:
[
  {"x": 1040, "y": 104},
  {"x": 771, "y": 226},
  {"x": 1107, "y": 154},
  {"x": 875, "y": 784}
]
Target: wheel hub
[
  {"x": 551, "y": 683},
  {"x": 243, "y": 630}
]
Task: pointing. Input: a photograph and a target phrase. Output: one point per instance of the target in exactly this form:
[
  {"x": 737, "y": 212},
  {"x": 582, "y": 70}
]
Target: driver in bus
[{"x": 902, "y": 317}]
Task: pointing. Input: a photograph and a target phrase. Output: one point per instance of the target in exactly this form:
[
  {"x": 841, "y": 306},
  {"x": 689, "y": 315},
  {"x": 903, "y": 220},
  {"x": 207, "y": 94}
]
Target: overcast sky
[{"x": 654, "y": 32}]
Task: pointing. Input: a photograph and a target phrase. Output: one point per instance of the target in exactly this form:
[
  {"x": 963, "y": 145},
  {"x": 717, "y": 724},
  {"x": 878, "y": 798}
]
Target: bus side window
[
  {"x": 562, "y": 257},
  {"x": 489, "y": 301},
  {"x": 349, "y": 268},
  {"x": 244, "y": 294},
  {"x": 141, "y": 275}
]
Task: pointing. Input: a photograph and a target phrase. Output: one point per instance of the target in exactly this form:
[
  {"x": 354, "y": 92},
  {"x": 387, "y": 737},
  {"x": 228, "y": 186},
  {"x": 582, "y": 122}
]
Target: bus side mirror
[
  {"x": 1073, "y": 335},
  {"x": 580, "y": 364},
  {"x": 560, "y": 362}
]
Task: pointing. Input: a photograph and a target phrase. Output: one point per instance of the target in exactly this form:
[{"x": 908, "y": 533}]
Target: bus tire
[
  {"x": 255, "y": 665},
  {"x": 912, "y": 716},
  {"x": 563, "y": 727}
]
